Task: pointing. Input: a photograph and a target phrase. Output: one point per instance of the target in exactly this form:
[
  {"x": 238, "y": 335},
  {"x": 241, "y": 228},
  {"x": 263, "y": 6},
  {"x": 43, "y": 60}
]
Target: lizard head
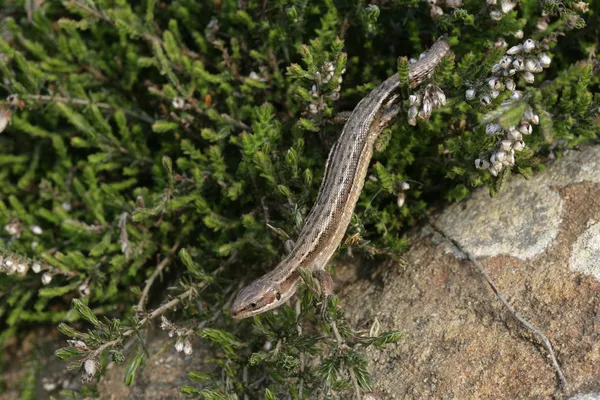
[{"x": 262, "y": 295}]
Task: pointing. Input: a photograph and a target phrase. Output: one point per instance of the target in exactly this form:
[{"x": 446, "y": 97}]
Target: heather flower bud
[
  {"x": 519, "y": 34},
  {"x": 535, "y": 119},
  {"x": 495, "y": 83},
  {"x": 506, "y": 62},
  {"x": 400, "y": 200},
  {"x": 507, "y": 6},
  {"x": 5, "y": 118},
  {"x": 506, "y": 145},
  {"x": 518, "y": 64},
  {"x": 514, "y": 135},
  {"x": 528, "y": 45},
  {"x": 514, "y": 50},
  {"x": 518, "y": 145},
  {"x": 89, "y": 370},
  {"x": 414, "y": 100},
  {"x": 528, "y": 77},
  {"x": 470, "y": 94},
  {"x": 496, "y": 15},
  {"x": 179, "y": 345},
  {"x": 525, "y": 128},
  {"x": 545, "y": 60},
  {"x": 510, "y": 84},
  {"x": 481, "y": 164},
  {"x": 46, "y": 278},
  {"x": 36, "y": 267},
  {"x": 485, "y": 100},
  {"x": 516, "y": 95},
  {"x": 187, "y": 347}
]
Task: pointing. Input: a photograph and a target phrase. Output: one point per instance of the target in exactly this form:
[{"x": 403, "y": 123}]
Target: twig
[
  {"x": 83, "y": 102},
  {"x": 157, "y": 271},
  {"x": 545, "y": 342}
]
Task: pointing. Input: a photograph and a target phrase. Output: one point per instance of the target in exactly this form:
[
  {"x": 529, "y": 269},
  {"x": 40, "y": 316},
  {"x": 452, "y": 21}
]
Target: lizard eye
[
  {"x": 278, "y": 296},
  {"x": 252, "y": 305}
]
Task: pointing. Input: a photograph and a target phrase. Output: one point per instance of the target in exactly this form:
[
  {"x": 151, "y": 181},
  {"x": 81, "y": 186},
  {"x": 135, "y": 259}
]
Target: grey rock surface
[{"x": 540, "y": 243}]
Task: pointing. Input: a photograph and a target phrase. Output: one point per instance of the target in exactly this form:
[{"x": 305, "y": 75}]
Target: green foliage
[{"x": 157, "y": 149}]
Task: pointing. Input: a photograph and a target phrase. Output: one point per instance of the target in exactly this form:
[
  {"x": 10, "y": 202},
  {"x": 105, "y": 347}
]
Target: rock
[{"x": 540, "y": 243}]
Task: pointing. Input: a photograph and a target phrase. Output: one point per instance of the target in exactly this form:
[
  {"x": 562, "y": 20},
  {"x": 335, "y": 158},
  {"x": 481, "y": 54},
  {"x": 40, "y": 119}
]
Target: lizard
[{"x": 344, "y": 176}]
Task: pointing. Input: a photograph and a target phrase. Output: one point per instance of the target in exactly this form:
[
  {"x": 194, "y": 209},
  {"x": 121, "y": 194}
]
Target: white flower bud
[
  {"x": 518, "y": 64},
  {"x": 519, "y": 34},
  {"x": 5, "y": 118},
  {"x": 500, "y": 42},
  {"x": 545, "y": 60},
  {"x": 496, "y": 68},
  {"x": 510, "y": 72},
  {"x": 525, "y": 128},
  {"x": 535, "y": 119},
  {"x": 495, "y": 15},
  {"x": 516, "y": 95},
  {"x": 495, "y": 83},
  {"x": 36, "y": 230},
  {"x": 518, "y": 145},
  {"x": 470, "y": 94},
  {"x": 179, "y": 345},
  {"x": 89, "y": 368},
  {"x": 441, "y": 97},
  {"x": 541, "y": 25},
  {"x": 404, "y": 185},
  {"x": 436, "y": 11},
  {"x": 66, "y": 206},
  {"x": 528, "y": 77},
  {"x": 21, "y": 269},
  {"x": 506, "y": 145},
  {"x": 494, "y": 169},
  {"x": 529, "y": 65},
  {"x": 426, "y": 109},
  {"x": 509, "y": 159},
  {"x": 515, "y": 50},
  {"x": 494, "y": 93},
  {"x": 46, "y": 278},
  {"x": 36, "y": 267},
  {"x": 412, "y": 114},
  {"x": 500, "y": 156},
  {"x": 493, "y": 129},
  {"x": 187, "y": 347},
  {"x": 528, "y": 45},
  {"x": 178, "y": 103},
  {"x": 528, "y": 114},
  {"x": 414, "y": 100},
  {"x": 485, "y": 100},
  {"x": 506, "y": 62},
  {"x": 507, "y": 6},
  {"x": 481, "y": 164},
  {"x": 510, "y": 84},
  {"x": 400, "y": 200},
  {"x": 8, "y": 263},
  {"x": 84, "y": 289},
  {"x": 514, "y": 135}
]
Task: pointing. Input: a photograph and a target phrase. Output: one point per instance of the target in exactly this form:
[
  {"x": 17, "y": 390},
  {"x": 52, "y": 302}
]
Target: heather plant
[{"x": 157, "y": 156}]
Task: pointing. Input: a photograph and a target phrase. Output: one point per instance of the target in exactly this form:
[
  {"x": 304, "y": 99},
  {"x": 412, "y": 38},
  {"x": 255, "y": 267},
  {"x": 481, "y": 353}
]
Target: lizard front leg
[{"x": 326, "y": 283}]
